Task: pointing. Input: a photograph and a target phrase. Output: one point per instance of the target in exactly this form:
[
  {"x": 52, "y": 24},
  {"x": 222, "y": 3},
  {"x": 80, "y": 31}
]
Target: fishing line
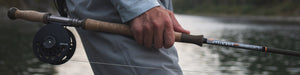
[
  {"x": 143, "y": 67},
  {"x": 57, "y": 45}
]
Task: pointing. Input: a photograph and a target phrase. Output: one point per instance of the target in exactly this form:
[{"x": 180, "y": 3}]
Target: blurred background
[
  {"x": 238, "y": 7},
  {"x": 272, "y": 23}
]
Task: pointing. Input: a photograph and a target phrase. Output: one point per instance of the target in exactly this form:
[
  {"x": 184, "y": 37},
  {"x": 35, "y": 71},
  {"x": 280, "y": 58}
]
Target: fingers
[
  {"x": 158, "y": 35},
  {"x": 169, "y": 37},
  {"x": 148, "y": 35},
  {"x": 137, "y": 31},
  {"x": 156, "y": 27},
  {"x": 177, "y": 26}
]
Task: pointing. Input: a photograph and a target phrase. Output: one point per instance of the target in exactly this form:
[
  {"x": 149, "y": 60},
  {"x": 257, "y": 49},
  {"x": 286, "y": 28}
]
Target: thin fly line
[{"x": 143, "y": 67}]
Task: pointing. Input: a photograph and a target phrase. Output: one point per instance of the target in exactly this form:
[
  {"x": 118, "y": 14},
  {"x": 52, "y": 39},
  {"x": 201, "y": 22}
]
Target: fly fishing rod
[{"x": 54, "y": 44}]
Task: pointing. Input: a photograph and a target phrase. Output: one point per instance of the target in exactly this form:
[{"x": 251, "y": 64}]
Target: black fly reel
[{"x": 54, "y": 44}]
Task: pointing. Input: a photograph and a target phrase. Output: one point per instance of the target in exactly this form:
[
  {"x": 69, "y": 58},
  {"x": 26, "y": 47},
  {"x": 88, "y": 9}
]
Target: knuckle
[
  {"x": 168, "y": 20},
  {"x": 155, "y": 22},
  {"x": 170, "y": 12},
  {"x": 168, "y": 25},
  {"x": 138, "y": 30},
  {"x": 168, "y": 45},
  {"x": 156, "y": 25},
  {"x": 147, "y": 28}
]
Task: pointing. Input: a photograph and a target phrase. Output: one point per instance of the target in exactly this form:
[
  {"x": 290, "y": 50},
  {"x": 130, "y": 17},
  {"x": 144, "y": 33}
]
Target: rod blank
[
  {"x": 285, "y": 52},
  {"x": 96, "y": 25}
]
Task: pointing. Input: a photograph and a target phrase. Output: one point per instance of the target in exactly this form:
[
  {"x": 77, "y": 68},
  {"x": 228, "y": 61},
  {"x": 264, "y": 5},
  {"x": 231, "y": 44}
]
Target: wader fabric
[{"x": 117, "y": 49}]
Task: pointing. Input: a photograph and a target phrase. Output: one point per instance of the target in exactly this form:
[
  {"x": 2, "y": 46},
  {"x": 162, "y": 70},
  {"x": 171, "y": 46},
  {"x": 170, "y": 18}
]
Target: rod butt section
[{"x": 11, "y": 13}]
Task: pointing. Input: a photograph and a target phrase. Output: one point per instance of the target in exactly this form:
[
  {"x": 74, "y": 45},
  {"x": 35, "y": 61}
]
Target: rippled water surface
[{"x": 222, "y": 60}]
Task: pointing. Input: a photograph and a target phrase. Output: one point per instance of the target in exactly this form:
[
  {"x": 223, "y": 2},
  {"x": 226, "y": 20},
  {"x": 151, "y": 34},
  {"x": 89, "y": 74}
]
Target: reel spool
[{"x": 54, "y": 44}]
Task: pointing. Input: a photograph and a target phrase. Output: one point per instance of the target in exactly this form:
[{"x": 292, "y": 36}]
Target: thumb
[{"x": 178, "y": 28}]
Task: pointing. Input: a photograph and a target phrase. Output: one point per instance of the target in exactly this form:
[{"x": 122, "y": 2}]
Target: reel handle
[{"x": 96, "y": 25}]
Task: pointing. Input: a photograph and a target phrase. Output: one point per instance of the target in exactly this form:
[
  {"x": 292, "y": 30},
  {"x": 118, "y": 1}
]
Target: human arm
[{"x": 155, "y": 25}]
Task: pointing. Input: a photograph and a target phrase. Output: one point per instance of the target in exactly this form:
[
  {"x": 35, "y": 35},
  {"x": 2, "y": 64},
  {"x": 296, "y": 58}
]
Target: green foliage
[{"x": 238, "y": 7}]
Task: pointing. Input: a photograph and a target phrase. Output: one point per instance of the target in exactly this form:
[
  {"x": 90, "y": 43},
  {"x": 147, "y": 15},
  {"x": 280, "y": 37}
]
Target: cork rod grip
[
  {"x": 94, "y": 25},
  {"x": 115, "y": 28},
  {"x": 29, "y": 15}
]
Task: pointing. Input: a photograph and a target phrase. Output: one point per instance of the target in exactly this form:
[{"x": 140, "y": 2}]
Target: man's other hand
[{"x": 156, "y": 27}]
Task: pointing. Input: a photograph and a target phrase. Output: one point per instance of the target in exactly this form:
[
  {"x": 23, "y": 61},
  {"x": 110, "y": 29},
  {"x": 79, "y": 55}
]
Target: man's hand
[{"x": 156, "y": 26}]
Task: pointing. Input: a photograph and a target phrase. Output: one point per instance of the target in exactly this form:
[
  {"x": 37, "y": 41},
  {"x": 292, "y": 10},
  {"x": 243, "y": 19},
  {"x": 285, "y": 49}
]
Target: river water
[
  {"x": 17, "y": 58},
  {"x": 215, "y": 60}
]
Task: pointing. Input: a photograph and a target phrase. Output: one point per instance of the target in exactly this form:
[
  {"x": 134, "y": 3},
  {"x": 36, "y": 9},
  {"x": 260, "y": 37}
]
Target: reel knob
[{"x": 49, "y": 42}]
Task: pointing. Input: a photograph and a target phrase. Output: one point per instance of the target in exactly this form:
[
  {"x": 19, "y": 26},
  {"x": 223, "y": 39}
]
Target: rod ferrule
[{"x": 46, "y": 17}]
